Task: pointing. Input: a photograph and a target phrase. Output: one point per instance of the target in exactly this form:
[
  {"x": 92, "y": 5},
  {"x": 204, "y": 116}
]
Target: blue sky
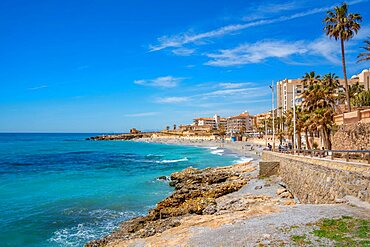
[{"x": 107, "y": 66}]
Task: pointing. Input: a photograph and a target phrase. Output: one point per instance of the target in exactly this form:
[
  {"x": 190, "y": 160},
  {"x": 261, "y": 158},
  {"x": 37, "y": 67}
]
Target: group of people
[{"x": 281, "y": 148}]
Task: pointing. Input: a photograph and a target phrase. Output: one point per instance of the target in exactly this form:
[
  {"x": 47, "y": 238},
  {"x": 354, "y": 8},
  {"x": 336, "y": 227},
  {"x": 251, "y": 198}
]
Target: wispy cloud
[
  {"x": 142, "y": 114},
  {"x": 260, "y": 51},
  {"x": 183, "y": 51},
  {"x": 188, "y": 37},
  {"x": 162, "y": 82},
  {"x": 232, "y": 85},
  {"x": 255, "y": 53},
  {"x": 264, "y": 10},
  {"x": 38, "y": 87},
  {"x": 166, "y": 100}
]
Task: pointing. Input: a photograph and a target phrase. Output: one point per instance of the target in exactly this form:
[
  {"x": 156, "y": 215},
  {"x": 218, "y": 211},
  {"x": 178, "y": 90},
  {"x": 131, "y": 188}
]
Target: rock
[
  {"x": 195, "y": 192},
  {"x": 287, "y": 194},
  {"x": 289, "y": 203},
  {"x": 163, "y": 178},
  {"x": 280, "y": 191},
  {"x": 341, "y": 200},
  {"x": 258, "y": 187}
]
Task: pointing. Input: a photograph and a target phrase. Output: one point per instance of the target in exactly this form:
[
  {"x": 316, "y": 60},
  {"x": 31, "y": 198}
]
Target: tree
[
  {"x": 353, "y": 90},
  {"x": 362, "y": 99},
  {"x": 318, "y": 103},
  {"x": 365, "y": 56},
  {"x": 310, "y": 78},
  {"x": 331, "y": 81},
  {"x": 341, "y": 25},
  {"x": 221, "y": 130}
]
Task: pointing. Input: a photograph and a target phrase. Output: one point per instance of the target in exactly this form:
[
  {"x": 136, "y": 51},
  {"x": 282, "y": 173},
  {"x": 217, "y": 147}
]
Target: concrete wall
[
  {"x": 316, "y": 181},
  {"x": 353, "y": 117}
]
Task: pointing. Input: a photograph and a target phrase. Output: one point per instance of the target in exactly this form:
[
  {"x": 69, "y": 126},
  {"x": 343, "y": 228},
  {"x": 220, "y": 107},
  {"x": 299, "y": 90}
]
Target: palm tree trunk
[
  {"x": 307, "y": 140},
  {"x": 299, "y": 140},
  {"x": 345, "y": 75}
]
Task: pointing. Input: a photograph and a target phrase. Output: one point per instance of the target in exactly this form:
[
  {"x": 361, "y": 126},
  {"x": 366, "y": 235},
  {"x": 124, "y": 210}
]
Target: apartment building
[
  {"x": 284, "y": 94},
  {"x": 284, "y": 90},
  {"x": 363, "y": 78},
  {"x": 239, "y": 123},
  {"x": 259, "y": 119},
  {"x": 215, "y": 122}
]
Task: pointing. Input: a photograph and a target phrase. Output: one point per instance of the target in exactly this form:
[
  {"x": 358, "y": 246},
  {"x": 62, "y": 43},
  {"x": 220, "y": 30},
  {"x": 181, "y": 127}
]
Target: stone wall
[
  {"x": 268, "y": 168},
  {"x": 322, "y": 181},
  {"x": 352, "y": 137}
]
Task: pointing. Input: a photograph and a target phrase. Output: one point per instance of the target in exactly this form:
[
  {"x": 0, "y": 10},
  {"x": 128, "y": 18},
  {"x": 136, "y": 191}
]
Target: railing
[{"x": 347, "y": 155}]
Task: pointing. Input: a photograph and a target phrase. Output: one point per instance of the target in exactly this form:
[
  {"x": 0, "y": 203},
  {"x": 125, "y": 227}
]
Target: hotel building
[
  {"x": 237, "y": 124},
  {"x": 215, "y": 122},
  {"x": 284, "y": 90}
]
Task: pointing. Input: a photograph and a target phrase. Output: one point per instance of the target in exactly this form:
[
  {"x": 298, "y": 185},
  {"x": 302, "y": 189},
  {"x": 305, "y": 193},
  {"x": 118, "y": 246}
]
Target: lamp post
[
  {"x": 273, "y": 114},
  {"x": 294, "y": 121}
]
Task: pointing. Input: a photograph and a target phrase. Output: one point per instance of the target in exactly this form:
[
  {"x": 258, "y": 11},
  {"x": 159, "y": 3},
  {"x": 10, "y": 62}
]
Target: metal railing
[{"x": 347, "y": 155}]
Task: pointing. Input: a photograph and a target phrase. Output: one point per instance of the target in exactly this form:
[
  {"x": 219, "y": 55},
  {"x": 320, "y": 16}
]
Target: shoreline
[
  {"x": 242, "y": 149},
  {"x": 227, "y": 205}
]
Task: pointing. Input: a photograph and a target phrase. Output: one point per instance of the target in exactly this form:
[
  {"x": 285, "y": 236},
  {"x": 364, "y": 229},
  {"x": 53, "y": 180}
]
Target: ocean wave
[
  {"x": 243, "y": 160},
  {"x": 104, "y": 222},
  {"x": 173, "y": 161},
  {"x": 212, "y": 148},
  {"x": 154, "y": 155},
  {"x": 218, "y": 152}
]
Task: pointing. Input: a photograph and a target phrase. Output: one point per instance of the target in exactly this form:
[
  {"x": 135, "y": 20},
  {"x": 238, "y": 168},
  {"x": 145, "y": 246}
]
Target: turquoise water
[{"x": 60, "y": 190}]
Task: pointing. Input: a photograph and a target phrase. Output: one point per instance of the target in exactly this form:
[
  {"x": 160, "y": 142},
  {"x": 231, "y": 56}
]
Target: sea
[{"x": 62, "y": 190}]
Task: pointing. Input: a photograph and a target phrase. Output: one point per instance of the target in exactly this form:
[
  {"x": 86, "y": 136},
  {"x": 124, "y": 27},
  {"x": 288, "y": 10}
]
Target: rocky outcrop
[
  {"x": 121, "y": 136},
  {"x": 195, "y": 193}
]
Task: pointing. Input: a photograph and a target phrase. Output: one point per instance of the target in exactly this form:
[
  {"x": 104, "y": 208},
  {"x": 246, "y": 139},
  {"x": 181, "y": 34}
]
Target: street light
[
  {"x": 294, "y": 121},
  {"x": 273, "y": 114}
]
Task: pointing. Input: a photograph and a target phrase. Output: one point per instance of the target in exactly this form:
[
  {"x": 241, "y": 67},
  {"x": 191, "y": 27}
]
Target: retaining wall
[{"x": 321, "y": 181}]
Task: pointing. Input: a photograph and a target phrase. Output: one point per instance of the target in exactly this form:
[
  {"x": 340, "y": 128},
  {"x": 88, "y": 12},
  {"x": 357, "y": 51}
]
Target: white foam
[
  {"x": 104, "y": 222},
  {"x": 243, "y": 160},
  {"x": 173, "y": 161},
  {"x": 212, "y": 148},
  {"x": 218, "y": 152}
]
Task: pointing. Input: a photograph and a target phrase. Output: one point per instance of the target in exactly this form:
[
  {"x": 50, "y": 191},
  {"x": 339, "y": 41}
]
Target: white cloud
[
  {"x": 260, "y": 51},
  {"x": 166, "y": 100},
  {"x": 142, "y": 114},
  {"x": 162, "y": 82},
  {"x": 363, "y": 33},
  {"x": 185, "y": 38},
  {"x": 38, "y": 87},
  {"x": 263, "y": 10},
  {"x": 255, "y": 53},
  {"x": 183, "y": 51},
  {"x": 329, "y": 49},
  {"x": 231, "y": 85}
]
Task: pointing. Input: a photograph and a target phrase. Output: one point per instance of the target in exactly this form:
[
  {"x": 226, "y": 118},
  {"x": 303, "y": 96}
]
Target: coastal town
[
  {"x": 278, "y": 125},
  {"x": 308, "y": 163},
  {"x": 248, "y": 128}
]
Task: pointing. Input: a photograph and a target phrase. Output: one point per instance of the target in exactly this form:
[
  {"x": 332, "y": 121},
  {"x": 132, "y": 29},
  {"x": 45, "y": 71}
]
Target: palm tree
[
  {"x": 365, "y": 56},
  {"x": 331, "y": 81},
  {"x": 310, "y": 78},
  {"x": 339, "y": 24},
  {"x": 318, "y": 104},
  {"x": 362, "y": 99}
]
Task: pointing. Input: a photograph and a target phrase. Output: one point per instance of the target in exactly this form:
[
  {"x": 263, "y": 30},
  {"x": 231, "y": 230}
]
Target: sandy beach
[{"x": 242, "y": 149}]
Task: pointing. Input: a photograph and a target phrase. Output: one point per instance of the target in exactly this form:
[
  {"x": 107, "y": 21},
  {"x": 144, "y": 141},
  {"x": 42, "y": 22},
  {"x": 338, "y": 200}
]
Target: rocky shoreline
[
  {"x": 120, "y": 137},
  {"x": 195, "y": 193}
]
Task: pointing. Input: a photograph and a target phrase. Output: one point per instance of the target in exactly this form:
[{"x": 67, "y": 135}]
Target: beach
[
  {"x": 227, "y": 206},
  {"x": 243, "y": 149}
]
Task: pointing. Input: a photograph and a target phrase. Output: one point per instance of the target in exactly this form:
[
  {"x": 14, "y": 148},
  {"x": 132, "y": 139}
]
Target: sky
[{"x": 110, "y": 65}]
